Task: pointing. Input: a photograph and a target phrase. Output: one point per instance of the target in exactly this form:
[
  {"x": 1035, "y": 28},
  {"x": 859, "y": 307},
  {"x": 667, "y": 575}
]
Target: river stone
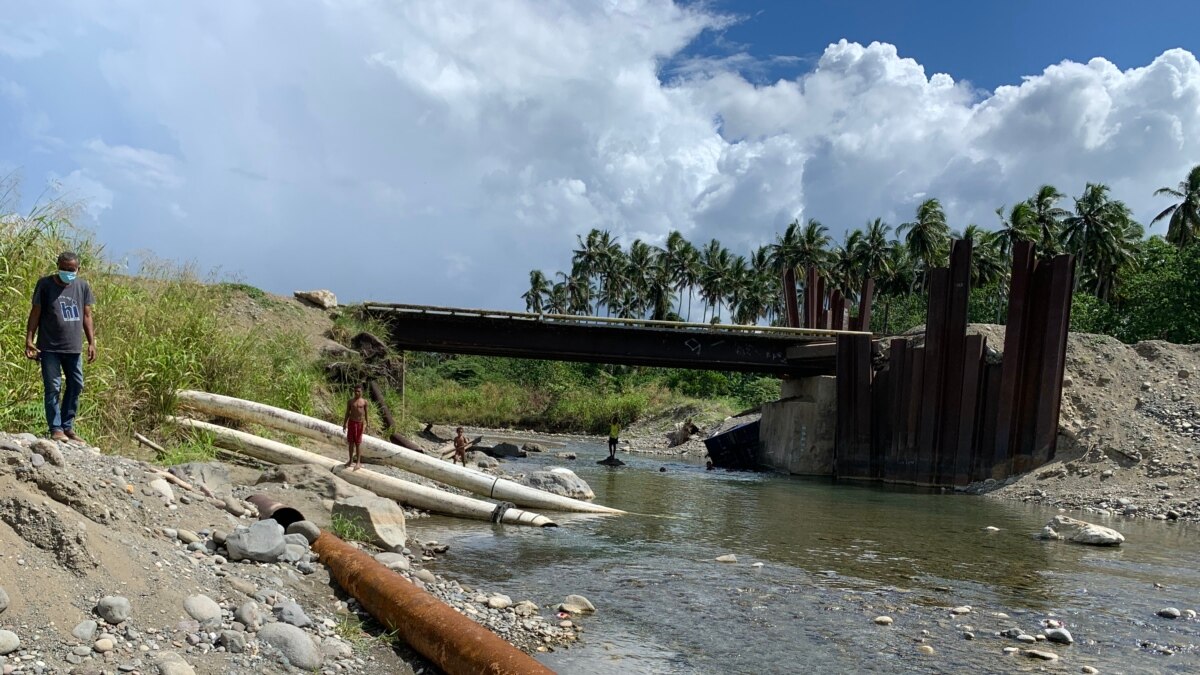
[
  {"x": 203, "y": 609},
  {"x": 187, "y": 536},
  {"x": 3, "y": 600},
  {"x": 321, "y": 298},
  {"x": 727, "y": 558},
  {"x": 306, "y": 529},
  {"x": 104, "y": 645},
  {"x": 1082, "y": 532},
  {"x": 505, "y": 450},
  {"x": 883, "y": 620},
  {"x": 426, "y": 576},
  {"x": 248, "y": 615},
  {"x": 960, "y": 610},
  {"x": 397, "y": 562},
  {"x": 1060, "y": 635},
  {"x": 85, "y": 631},
  {"x": 926, "y": 650},
  {"x": 295, "y": 644},
  {"x": 1040, "y": 654},
  {"x": 296, "y": 539},
  {"x": 1088, "y": 670},
  {"x": 1026, "y": 638},
  {"x": 233, "y": 641},
  {"x": 262, "y": 541},
  {"x": 577, "y": 604},
  {"x": 382, "y": 518},
  {"x": 1169, "y": 613},
  {"x": 1189, "y": 613},
  {"x": 335, "y": 648},
  {"x": 290, "y": 612},
  {"x": 170, "y": 663},
  {"x": 559, "y": 481},
  {"x": 533, "y": 447},
  {"x": 499, "y": 601},
  {"x": 163, "y": 488},
  {"x": 113, "y": 608},
  {"x": 9, "y": 642}
]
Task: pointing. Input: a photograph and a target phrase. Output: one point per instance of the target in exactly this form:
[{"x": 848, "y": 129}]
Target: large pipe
[
  {"x": 461, "y": 477},
  {"x": 419, "y": 496},
  {"x": 455, "y": 643}
]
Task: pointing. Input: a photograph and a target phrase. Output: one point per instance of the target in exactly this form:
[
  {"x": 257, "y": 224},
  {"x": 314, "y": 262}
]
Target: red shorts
[{"x": 354, "y": 431}]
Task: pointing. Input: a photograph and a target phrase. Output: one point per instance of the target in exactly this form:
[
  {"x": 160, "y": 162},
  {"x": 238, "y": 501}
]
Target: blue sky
[{"x": 435, "y": 152}]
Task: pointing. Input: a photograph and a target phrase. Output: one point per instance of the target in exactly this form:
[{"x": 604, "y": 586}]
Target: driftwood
[
  {"x": 386, "y": 412},
  {"x": 149, "y": 444}
]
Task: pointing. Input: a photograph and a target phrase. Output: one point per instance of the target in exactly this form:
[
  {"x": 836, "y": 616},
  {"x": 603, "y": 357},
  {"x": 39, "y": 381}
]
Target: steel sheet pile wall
[
  {"x": 823, "y": 308},
  {"x": 939, "y": 415}
]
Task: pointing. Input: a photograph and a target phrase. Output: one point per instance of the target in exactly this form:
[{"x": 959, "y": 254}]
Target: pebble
[
  {"x": 968, "y": 635},
  {"x": 426, "y": 576},
  {"x": 85, "y": 631},
  {"x": 187, "y": 536},
  {"x": 9, "y": 642},
  {"x": 1060, "y": 635},
  {"x": 1011, "y": 650},
  {"x": 249, "y": 615},
  {"x": 113, "y": 608},
  {"x": 960, "y": 610},
  {"x": 37, "y": 460},
  {"x": 397, "y": 562},
  {"x": 926, "y": 650},
  {"x": 3, "y": 601},
  {"x": 1039, "y": 654},
  {"x": 1189, "y": 613},
  {"x": 292, "y": 613},
  {"x": 499, "y": 601},
  {"x": 883, "y": 620},
  {"x": 203, "y": 609},
  {"x": 306, "y": 528},
  {"x": 1028, "y": 639},
  {"x": 1169, "y": 613},
  {"x": 991, "y": 528},
  {"x": 727, "y": 558},
  {"x": 103, "y": 645},
  {"x": 1089, "y": 670},
  {"x": 294, "y": 643},
  {"x": 577, "y": 604}
]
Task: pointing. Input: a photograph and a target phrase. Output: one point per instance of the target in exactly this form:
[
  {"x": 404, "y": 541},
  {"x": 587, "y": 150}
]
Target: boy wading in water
[
  {"x": 614, "y": 430},
  {"x": 460, "y": 447},
  {"x": 355, "y": 424}
]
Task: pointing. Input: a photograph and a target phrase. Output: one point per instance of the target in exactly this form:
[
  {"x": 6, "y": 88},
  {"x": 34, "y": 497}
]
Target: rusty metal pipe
[
  {"x": 455, "y": 643},
  {"x": 277, "y": 511}
]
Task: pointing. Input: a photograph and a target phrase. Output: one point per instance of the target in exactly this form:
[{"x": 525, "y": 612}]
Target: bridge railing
[{"x": 716, "y": 328}]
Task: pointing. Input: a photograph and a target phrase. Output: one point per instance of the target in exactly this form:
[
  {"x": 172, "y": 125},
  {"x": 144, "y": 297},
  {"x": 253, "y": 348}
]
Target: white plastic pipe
[
  {"x": 461, "y": 477},
  {"x": 418, "y": 496}
]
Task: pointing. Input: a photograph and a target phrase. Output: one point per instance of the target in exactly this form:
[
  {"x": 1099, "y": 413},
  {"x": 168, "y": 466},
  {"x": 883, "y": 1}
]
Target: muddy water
[{"x": 833, "y": 557}]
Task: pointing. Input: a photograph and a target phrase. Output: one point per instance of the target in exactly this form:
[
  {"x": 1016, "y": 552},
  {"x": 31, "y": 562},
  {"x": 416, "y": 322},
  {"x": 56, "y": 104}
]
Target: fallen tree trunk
[
  {"x": 397, "y": 438},
  {"x": 381, "y": 451},
  {"x": 418, "y": 496}
]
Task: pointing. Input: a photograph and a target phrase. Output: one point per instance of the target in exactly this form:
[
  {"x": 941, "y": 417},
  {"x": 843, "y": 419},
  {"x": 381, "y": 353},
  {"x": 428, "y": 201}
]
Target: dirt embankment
[{"x": 106, "y": 565}]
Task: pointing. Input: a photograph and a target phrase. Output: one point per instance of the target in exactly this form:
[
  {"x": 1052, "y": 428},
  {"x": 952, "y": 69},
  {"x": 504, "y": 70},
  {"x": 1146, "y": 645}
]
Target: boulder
[
  {"x": 319, "y": 298},
  {"x": 533, "y": 447},
  {"x": 611, "y": 461},
  {"x": 369, "y": 346},
  {"x": 203, "y": 609},
  {"x": 1082, "y": 532},
  {"x": 481, "y": 460},
  {"x": 382, "y": 519},
  {"x": 294, "y": 643},
  {"x": 559, "y": 481},
  {"x": 263, "y": 541},
  {"x": 505, "y": 450},
  {"x": 113, "y": 608},
  {"x": 213, "y": 476},
  {"x": 315, "y": 479},
  {"x": 577, "y": 604}
]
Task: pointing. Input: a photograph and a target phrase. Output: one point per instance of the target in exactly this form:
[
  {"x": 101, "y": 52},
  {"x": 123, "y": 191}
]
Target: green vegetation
[
  {"x": 348, "y": 529},
  {"x": 1127, "y": 286},
  {"x": 197, "y": 446},
  {"x": 157, "y": 332}
]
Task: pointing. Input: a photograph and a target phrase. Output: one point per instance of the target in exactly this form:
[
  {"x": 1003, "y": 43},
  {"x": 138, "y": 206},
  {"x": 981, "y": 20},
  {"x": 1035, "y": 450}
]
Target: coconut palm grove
[{"x": 1127, "y": 285}]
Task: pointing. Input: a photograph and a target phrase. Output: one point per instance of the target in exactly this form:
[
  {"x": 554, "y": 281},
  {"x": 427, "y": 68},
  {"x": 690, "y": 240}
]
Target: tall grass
[{"x": 160, "y": 331}]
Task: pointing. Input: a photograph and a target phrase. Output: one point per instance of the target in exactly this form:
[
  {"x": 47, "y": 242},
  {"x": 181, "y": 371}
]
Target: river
[{"x": 833, "y": 557}]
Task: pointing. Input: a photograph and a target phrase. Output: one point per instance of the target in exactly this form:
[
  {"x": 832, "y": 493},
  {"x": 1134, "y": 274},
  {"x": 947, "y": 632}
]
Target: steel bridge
[{"x": 639, "y": 342}]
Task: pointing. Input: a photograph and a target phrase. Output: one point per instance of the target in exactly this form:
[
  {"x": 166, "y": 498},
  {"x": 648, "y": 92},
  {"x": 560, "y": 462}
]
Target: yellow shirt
[{"x": 614, "y": 430}]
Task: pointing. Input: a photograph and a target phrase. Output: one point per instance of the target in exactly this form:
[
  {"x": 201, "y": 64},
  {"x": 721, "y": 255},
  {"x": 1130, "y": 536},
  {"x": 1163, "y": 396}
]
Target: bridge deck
[{"x": 668, "y": 344}]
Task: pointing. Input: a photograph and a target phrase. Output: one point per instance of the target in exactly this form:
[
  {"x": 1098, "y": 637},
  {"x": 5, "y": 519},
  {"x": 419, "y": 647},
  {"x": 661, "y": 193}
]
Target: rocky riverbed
[{"x": 108, "y": 565}]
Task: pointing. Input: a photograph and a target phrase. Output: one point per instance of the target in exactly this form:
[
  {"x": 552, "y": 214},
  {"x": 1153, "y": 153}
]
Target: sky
[{"x": 434, "y": 152}]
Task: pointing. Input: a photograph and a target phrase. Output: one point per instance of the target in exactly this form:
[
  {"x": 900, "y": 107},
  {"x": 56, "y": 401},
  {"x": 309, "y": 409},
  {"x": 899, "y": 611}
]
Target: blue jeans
[{"x": 54, "y": 366}]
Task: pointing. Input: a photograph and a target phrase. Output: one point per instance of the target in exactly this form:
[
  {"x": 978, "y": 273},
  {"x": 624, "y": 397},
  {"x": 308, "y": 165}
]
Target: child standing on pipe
[{"x": 354, "y": 424}]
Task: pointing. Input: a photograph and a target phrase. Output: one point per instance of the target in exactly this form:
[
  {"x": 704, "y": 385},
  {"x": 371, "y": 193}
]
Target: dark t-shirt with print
[{"x": 61, "y": 325}]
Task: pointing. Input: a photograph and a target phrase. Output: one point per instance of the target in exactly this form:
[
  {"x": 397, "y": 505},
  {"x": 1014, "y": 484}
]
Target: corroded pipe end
[{"x": 277, "y": 511}]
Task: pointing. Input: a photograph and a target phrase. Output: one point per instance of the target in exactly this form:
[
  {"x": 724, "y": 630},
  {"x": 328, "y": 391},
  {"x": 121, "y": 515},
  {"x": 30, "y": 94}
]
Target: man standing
[
  {"x": 614, "y": 430},
  {"x": 354, "y": 424},
  {"x": 60, "y": 318}
]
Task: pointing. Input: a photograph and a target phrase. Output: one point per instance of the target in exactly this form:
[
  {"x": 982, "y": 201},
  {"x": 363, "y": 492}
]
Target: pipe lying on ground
[
  {"x": 452, "y": 641},
  {"x": 461, "y": 477},
  {"x": 449, "y": 639},
  {"x": 418, "y": 496}
]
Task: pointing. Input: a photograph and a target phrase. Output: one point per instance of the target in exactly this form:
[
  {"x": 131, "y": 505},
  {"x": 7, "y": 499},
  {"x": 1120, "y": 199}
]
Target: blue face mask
[{"x": 67, "y": 277}]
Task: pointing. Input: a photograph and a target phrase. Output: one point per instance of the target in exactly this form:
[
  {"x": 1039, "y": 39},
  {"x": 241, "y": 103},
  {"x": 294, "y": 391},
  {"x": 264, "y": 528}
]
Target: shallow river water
[{"x": 833, "y": 557}]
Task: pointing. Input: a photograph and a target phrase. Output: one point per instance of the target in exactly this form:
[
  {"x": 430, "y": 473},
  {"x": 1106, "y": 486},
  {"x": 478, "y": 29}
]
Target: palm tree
[
  {"x": 640, "y": 261},
  {"x": 714, "y": 274},
  {"x": 1101, "y": 235},
  {"x": 987, "y": 254},
  {"x": 1183, "y": 228},
  {"x": 558, "y": 300},
  {"x": 1016, "y": 227},
  {"x": 928, "y": 237},
  {"x": 737, "y": 285},
  {"x": 785, "y": 252},
  {"x": 579, "y": 291},
  {"x": 1047, "y": 217},
  {"x": 847, "y": 270},
  {"x": 813, "y": 247},
  {"x": 873, "y": 251},
  {"x": 685, "y": 273},
  {"x": 539, "y": 288}
]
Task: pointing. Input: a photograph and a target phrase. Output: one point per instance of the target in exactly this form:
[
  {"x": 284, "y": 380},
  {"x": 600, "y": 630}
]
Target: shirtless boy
[
  {"x": 460, "y": 448},
  {"x": 354, "y": 425}
]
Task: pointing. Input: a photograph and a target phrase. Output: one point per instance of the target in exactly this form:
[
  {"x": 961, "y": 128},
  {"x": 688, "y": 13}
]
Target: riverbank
[{"x": 77, "y": 526}]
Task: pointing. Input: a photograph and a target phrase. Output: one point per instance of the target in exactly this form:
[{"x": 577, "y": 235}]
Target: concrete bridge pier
[{"x": 796, "y": 433}]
